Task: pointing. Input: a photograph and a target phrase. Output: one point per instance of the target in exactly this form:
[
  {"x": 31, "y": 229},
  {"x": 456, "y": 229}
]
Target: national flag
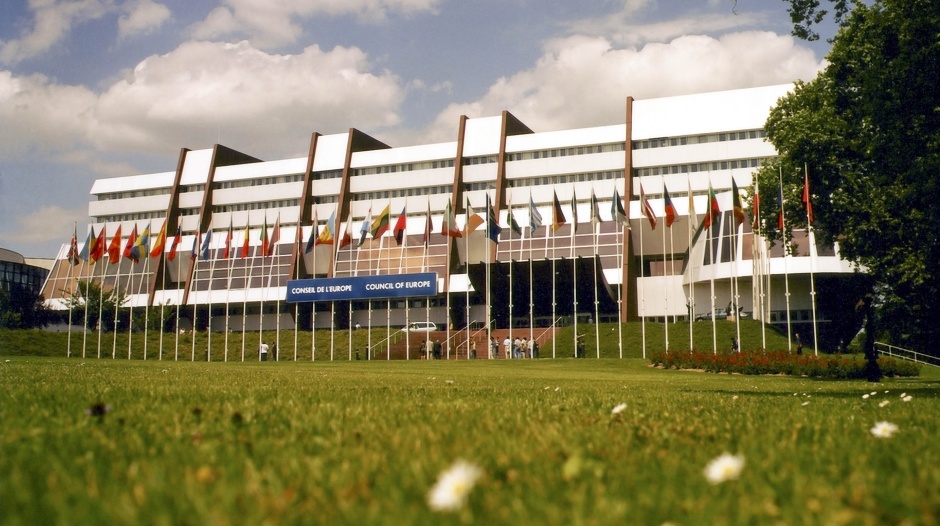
[
  {"x": 558, "y": 215},
  {"x": 73, "y": 256},
  {"x": 669, "y": 207},
  {"x": 114, "y": 249},
  {"x": 513, "y": 225},
  {"x": 535, "y": 218},
  {"x": 474, "y": 220},
  {"x": 87, "y": 247},
  {"x": 595, "y": 210},
  {"x": 380, "y": 223},
  {"x": 264, "y": 237},
  {"x": 714, "y": 211},
  {"x": 492, "y": 223},
  {"x": 347, "y": 233},
  {"x": 97, "y": 246},
  {"x": 204, "y": 249},
  {"x": 807, "y": 200},
  {"x": 227, "y": 247},
  {"x": 160, "y": 244},
  {"x": 693, "y": 217},
  {"x": 617, "y": 213},
  {"x": 326, "y": 235},
  {"x": 737, "y": 209},
  {"x": 174, "y": 246},
  {"x": 364, "y": 230},
  {"x": 128, "y": 253},
  {"x": 428, "y": 228},
  {"x": 314, "y": 234},
  {"x": 142, "y": 246},
  {"x": 449, "y": 225},
  {"x": 646, "y": 209},
  {"x": 574, "y": 211},
  {"x": 275, "y": 237},
  {"x": 194, "y": 253},
  {"x": 780, "y": 206},
  {"x": 400, "y": 224},
  {"x": 243, "y": 253},
  {"x": 755, "y": 224}
]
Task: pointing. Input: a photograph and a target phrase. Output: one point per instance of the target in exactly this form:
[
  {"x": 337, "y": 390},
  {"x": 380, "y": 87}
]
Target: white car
[{"x": 422, "y": 326}]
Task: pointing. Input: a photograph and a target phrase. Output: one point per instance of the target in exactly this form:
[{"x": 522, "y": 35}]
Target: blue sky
[{"x": 103, "y": 88}]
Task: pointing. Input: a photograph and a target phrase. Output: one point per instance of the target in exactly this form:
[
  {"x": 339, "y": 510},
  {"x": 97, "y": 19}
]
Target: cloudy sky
[{"x": 103, "y": 88}]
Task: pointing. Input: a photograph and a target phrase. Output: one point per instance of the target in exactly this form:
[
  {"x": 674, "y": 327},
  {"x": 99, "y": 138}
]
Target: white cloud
[
  {"x": 40, "y": 116},
  {"x": 45, "y": 225},
  {"x": 268, "y": 24},
  {"x": 202, "y": 93},
  {"x": 53, "y": 21},
  {"x": 196, "y": 95},
  {"x": 584, "y": 80},
  {"x": 141, "y": 18}
]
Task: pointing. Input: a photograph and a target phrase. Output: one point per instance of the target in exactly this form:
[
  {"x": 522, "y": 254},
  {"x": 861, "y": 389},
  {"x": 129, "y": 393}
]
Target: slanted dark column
[{"x": 628, "y": 297}]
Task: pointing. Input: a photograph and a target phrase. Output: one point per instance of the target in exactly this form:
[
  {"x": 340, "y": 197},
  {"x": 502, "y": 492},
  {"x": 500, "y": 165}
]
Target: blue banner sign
[{"x": 362, "y": 287}]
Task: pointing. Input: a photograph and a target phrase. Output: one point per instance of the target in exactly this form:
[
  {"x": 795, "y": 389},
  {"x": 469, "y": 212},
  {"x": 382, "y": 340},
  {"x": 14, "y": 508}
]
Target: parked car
[
  {"x": 720, "y": 314},
  {"x": 422, "y": 326}
]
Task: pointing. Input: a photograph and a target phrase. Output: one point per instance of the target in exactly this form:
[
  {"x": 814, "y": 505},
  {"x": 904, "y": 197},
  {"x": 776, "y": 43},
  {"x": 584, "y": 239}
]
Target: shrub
[{"x": 780, "y": 362}]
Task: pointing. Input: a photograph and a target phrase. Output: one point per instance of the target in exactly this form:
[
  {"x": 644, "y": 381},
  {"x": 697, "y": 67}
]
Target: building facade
[{"x": 238, "y": 229}]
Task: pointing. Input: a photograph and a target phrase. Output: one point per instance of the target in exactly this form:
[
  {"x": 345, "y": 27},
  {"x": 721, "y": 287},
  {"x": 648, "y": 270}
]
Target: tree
[
  {"x": 22, "y": 308},
  {"x": 807, "y": 13},
  {"x": 89, "y": 294},
  {"x": 868, "y": 130}
]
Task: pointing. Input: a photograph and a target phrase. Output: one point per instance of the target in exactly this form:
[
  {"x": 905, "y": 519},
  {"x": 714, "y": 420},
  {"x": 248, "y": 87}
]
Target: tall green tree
[
  {"x": 867, "y": 129},
  {"x": 22, "y": 308}
]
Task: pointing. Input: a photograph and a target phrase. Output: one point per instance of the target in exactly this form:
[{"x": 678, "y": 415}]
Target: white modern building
[{"x": 592, "y": 266}]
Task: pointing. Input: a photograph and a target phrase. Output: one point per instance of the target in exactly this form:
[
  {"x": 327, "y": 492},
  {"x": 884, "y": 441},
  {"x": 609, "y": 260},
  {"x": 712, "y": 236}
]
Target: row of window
[
  {"x": 564, "y": 179},
  {"x": 663, "y": 142},
  {"x": 256, "y": 205},
  {"x": 700, "y": 167},
  {"x": 260, "y": 181},
  {"x": 401, "y": 192},
  {"x": 148, "y": 192},
  {"x": 565, "y": 152},
  {"x": 406, "y": 167}
]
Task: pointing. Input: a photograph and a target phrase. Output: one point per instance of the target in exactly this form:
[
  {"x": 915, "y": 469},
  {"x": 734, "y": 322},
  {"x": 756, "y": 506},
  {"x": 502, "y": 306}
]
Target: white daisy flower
[
  {"x": 903, "y": 395},
  {"x": 865, "y": 397},
  {"x": 804, "y": 404},
  {"x": 453, "y": 487},
  {"x": 907, "y": 398},
  {"x": 618, "y": 409},
  {"x": 725, "y": 467},
  {"x": 884, "y": 429},
  {"x": 883, "y": 403}
]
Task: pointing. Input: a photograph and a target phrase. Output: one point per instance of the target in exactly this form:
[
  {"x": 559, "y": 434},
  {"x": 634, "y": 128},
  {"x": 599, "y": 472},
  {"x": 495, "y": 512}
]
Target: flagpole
[
  {"x": 665, "y": 263},
  {"x": 276, "y": 268},
  {"x": 246, "y": 242},
  {"x": 595, "y": 221},
  {"x": 146, "y": 256},
  {"x": 69, "y": 258},
  {"x": 466, "y": 239},
  {"x": 228, "y": 288},
  {"x": 709, "y": 214},
  {"x": 615, "y": 207},
  {"x": 87, "y": 249},
  {"x": 162, "y": 256},
  {"x": 192, "y": 284},
  {"x": 298, "y": 244},
  {"x": 130, "y": 314},
  {"x": 574, "y": 263},
  {"x": 117, "y": 281},
  {"x": 428, "y": 228},
  {"x": 693, "y": 219},
  {"x": 554, "y": 340},
  {"x": 812, "y": 255},
  {"x": 215, "y": 257},
  {"x": 101, "y": 290},
  {"x": 786, "y": 259},
  {"x": 179, "y": 306},
  {"x": 264, "y": 242},
  {"x": 388, "y": 301}
]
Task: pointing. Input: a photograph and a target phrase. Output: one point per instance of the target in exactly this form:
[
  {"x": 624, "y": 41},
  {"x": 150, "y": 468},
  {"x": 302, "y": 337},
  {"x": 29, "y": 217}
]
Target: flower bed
[{"x": 781, "y": 362}]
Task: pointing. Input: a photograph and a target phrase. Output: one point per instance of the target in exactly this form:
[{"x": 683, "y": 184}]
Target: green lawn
[{"x": 364, "y": 442}]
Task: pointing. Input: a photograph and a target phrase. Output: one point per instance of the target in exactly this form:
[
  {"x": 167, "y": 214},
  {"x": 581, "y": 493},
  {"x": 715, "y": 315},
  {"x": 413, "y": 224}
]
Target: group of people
[
  {"x": 515, "y": 348},
  {"x": 436, "y": 349}
]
